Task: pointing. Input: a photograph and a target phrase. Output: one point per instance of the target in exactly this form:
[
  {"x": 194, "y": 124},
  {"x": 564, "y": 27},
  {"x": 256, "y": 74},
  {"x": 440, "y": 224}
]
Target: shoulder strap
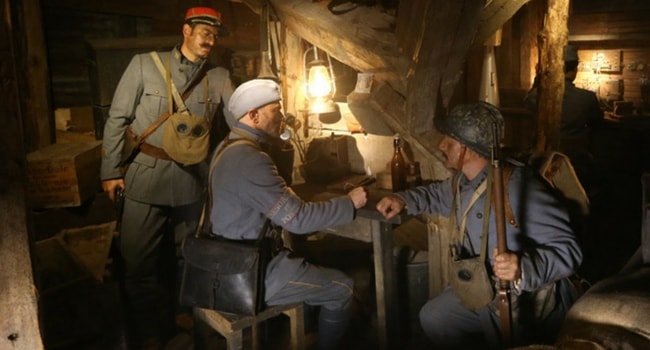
[
  {"x": 227, "y": 144},
  {"x": 140, "y": 138},
  {"x": 171, "y": 87},
  {"x": 207, "y": 204}
]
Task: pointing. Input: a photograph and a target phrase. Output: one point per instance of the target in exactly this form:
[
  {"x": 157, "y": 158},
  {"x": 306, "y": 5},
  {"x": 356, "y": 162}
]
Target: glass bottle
[
  {"x": 414, "y": 175},
  {"x": 398, "y": 167}
]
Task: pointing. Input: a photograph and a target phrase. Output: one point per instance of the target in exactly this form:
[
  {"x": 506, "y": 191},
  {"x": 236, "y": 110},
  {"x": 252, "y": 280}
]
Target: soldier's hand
[
  {"x": 506, "y": 265},
  {"x": 359, "y": 196},
  {"x": 109, "y": 187},
  {"x": 390, "y": 206}
]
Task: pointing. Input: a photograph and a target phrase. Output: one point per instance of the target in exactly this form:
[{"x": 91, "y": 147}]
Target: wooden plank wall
[
  {"x": 515, "y": 60},
  {"x": 634, "y": 62},
  {"x": 66, "y": 32},
  {"x": 69, "y": 24},
  {"x": 18, "y": 296},
  {"x": 627, "y": 32}
]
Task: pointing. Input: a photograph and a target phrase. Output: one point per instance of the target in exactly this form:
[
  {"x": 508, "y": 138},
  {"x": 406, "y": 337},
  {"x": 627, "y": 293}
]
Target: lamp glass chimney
[
  {"x": 319, "y": 86},
  {"x": 320, "y": 81}
]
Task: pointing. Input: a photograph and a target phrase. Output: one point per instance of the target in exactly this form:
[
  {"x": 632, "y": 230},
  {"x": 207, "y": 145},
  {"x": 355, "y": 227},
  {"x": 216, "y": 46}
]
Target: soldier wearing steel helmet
[{"x": 542, "y": 249}]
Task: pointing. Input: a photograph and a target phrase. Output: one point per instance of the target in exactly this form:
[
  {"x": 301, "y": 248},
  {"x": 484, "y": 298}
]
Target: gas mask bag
[
  {"x": 186, "y": 138},
  {"x": 470, "y": 282}
]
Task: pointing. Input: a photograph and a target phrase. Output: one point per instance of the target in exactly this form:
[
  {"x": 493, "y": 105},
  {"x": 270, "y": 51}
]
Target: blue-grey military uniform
[
  {"x": 163, "y": 198},
  {"x": 246, "y": 190},
  {"x": 548, "y": 247}
]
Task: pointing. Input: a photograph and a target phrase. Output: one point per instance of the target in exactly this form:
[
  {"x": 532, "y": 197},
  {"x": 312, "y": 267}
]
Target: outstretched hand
[
  {"x": 359, "y": 196},
  {"x": 390, "y": 206}
]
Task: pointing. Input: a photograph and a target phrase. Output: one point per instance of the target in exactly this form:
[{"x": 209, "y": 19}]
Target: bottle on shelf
[
  {"x": 414, "y": 175},
  {"x": 398, "y": 168}
]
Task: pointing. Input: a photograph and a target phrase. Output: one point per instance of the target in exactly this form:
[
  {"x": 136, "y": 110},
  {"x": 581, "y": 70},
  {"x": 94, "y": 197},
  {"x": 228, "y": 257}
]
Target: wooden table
[{"x": 370, "y": 226}]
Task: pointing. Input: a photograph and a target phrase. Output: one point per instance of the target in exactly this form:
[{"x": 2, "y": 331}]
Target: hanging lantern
[{"x": 319, "y": 87}]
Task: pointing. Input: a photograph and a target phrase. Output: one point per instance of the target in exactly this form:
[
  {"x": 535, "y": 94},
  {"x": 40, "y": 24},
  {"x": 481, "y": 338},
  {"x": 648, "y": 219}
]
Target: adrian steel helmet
[{"x": 472, "y": 125}]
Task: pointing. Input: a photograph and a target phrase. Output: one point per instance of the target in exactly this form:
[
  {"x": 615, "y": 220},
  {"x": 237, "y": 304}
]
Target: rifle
[{"x": 503, "y": 296}]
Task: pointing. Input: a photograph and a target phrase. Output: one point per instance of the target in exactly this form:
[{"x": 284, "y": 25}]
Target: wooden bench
[{"x": 232, "y": 326}]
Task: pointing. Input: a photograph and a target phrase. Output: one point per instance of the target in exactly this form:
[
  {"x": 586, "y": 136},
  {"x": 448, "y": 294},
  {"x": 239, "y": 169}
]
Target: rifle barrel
[{"x": 503, "y": 298}]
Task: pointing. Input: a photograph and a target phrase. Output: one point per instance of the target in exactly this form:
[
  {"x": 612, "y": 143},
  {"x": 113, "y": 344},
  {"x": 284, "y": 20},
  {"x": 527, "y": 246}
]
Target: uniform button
[
  {"x": 156, "y": 92},
  {"x": 479, "y": 215}
]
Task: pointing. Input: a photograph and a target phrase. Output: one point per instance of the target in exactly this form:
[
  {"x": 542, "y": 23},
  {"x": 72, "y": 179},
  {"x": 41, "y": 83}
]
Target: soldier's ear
[
  {"x": 255, "y": 115},
  {"x": 187, "y": 30}
]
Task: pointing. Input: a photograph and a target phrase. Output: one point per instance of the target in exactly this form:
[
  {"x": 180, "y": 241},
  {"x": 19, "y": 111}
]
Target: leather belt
[
  {"x": 273, "y": 245},
  {"x": 154, "y": 151},
  {"x": 252, "y": 242}
]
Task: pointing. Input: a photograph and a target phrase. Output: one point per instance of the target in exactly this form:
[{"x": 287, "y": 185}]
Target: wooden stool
[{"x": 232, "y": 326}]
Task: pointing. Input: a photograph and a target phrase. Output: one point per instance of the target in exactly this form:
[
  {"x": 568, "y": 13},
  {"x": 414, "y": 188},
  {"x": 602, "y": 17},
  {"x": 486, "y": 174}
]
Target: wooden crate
[
  {"x": 63, "y": 174},
  {"x": 91, "y": 246}
]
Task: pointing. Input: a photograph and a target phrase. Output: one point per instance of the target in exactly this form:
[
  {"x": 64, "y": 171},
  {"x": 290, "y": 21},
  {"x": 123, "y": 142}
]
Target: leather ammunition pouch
[{"x": 223, "y": 275}]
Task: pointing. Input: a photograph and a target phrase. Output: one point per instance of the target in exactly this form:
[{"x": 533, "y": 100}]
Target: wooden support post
[{"x": 552, "y": 41}]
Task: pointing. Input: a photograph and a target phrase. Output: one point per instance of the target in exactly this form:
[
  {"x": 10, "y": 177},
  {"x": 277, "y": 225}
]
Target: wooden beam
[
  {"x": 18, "y": 295},
  {"x": 255, "y": 5},
  {"x": 450, "y": 27},
  {"x": 34, "y": 81},
  {"x": 494, "y": 15},
  {"x": 291, "y": 73},
  {"x": 141, "y": 8},
  {"x": 621, "y": 39},
  {"x": 552, "y": 41},
  {"x": 530, "y": 24},
  {"x": 410, "y": 26},
  {"x": 383, "y": 111},
  {"x": 18, "y": 300},
  {"x": 348, "y": 38}
]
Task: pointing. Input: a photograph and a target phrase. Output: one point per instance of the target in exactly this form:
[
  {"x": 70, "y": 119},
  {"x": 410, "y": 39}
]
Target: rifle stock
[{"x": 503, "y": 295}]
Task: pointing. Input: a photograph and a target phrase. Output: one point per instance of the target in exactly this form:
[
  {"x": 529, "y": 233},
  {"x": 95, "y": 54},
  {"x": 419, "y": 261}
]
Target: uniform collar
[
  {"x": 464, "y": 183},
  {"x": 244, "y": 131},
  {"x": 183, "y": 61}
]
